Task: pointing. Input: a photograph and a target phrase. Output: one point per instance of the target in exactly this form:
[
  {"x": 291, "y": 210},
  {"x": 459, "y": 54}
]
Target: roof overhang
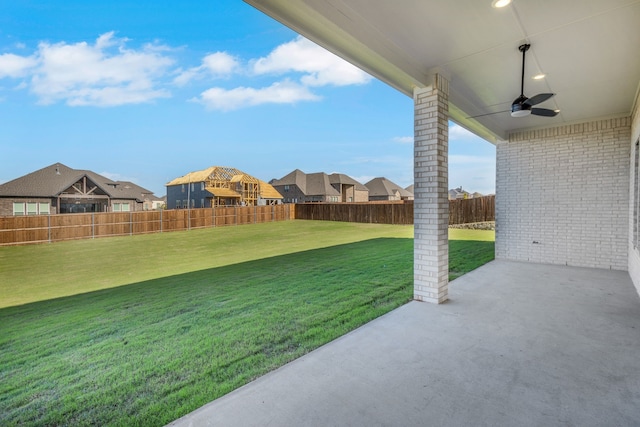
[{"x": 586, "y": 48}]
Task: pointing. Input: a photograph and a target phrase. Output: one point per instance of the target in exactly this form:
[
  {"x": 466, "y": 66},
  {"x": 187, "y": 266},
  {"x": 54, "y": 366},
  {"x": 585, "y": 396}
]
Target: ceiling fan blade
[
  {"x": 545, "y": 112},
  {"x": 537, "y": 99},
  {"x": 488, "y": 114}
]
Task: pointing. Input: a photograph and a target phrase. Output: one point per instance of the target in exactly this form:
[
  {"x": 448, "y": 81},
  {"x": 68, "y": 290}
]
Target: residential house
[
  {"x": 160, "y": 203},
  {"x": 219, "y": 186},
  {"x": 459, "y": 193},
  {"x": 60, "y": 189},
  {"x": 300, "y": 187},
  {"x": 350, "y": 189},
  {"x": 383, "y": 189}
]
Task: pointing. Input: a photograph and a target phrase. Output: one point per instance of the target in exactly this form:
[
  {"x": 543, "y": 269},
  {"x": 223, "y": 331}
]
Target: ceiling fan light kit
[
  {"x": 523, "y": 106},
  {"x": 523, "y": 112}
]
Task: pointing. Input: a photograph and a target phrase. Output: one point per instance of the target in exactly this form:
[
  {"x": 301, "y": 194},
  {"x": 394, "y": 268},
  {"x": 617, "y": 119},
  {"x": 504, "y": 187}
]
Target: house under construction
[{"x": 219, "y": 186}]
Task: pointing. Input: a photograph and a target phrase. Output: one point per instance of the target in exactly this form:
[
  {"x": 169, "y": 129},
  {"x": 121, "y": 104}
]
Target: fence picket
[{"x": 17, "y": 230}]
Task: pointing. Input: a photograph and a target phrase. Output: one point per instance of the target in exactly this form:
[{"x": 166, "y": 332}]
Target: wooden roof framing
[{"x": 230, "y": 183}]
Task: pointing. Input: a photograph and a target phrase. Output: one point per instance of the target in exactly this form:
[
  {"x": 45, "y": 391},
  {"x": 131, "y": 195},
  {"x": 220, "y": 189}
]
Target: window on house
[
  {"x": 177, "y": 204},
  {"x": 183, "y": 188},
  {"x": 202, "y": 203},
  {"x": 185, "y": 204},
  {"x": 32, "y": 208},
  {"x": 44, "y": 208},
  {"x": 125, "y": 207},
  {"x": 193, "y": 203},
  {"x": 193, "y": 186},
  {"x": 117, "y": 207},
  {"x": 18, "y": 208},
  {"x": 286, "y": 188},
  {"x": 202, "y": 186}
]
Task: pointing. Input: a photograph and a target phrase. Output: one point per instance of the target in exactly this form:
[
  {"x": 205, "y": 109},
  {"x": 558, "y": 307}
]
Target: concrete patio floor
[{"x": 518, "y": 344}]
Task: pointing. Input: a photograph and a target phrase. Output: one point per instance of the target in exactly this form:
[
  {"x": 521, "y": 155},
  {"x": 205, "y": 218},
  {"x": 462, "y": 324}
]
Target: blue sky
[{"x": 149, "y": 91}]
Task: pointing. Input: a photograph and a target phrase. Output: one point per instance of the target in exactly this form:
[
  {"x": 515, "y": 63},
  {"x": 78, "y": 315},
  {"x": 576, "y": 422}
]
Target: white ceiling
[{"x": 589, "y": 50}]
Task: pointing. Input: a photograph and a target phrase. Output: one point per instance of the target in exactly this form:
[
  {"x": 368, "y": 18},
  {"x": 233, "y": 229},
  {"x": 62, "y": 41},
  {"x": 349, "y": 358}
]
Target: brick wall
[
  {"x": 431, "y": 180},
  {"x": 6, "y": 204},
  {"x": 634, "y": 252},
  {"x": 562, "y": 195}
]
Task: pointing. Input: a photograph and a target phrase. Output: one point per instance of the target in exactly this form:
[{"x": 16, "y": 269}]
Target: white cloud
[
  {"x": 109, "y": 73},
  {"x": 284, "y": 92},
  {"x": 403, "y": 139},
  {"x": 84, "y": 74},
  {"x": 15, "y": 65},
  {"x": 218, "y": 64},
  {"x": 319, "y": 66}
]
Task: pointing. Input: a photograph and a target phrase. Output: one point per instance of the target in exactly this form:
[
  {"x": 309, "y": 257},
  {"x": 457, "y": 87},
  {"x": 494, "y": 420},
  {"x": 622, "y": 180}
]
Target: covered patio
[
  {"x": 553, "y": 84},
  {"x": 517, "y": 344},
  {"x": 549, "y": 333}
]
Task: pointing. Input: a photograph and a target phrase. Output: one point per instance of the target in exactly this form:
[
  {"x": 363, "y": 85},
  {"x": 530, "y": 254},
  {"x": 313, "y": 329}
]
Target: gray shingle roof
[
  {"x": 296, "y": 177},
  {"x": 318, "y": 185},
  {"x": 340, "y": 178},
  {"x": 383, "y": 187},
  {"x": 129, "y": 190},
  {"x": 52, "y": 180}
]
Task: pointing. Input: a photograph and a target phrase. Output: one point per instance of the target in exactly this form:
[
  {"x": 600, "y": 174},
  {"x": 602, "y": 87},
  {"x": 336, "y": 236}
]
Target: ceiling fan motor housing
[{"x": 520, "y": 108}]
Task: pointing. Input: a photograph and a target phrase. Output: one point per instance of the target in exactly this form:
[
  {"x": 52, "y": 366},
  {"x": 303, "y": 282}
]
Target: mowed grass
[
  {"x": 142, "y": 330},
  {"x": 469, "y": 249}
]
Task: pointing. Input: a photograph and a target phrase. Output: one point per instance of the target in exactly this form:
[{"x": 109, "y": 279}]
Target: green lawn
[{"x": 142, "y": 330}]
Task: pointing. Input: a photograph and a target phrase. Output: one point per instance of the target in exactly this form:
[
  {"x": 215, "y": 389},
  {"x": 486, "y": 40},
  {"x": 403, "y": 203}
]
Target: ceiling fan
[{"x": 523, "y": 106}]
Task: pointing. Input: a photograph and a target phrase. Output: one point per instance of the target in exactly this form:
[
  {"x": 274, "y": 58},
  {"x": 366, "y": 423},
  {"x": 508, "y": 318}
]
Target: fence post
[
  {"x": 235, "y": 211},
  {"x": 161, "y": 220},
  {"x": 49, "y": 227},
  {"x": 93, "y": 225},
  {"x": 130, "y": 223}
]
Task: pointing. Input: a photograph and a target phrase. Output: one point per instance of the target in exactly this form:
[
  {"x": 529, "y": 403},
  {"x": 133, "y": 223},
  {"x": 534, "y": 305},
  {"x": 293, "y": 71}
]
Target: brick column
[{"x": 431, "y": 193}]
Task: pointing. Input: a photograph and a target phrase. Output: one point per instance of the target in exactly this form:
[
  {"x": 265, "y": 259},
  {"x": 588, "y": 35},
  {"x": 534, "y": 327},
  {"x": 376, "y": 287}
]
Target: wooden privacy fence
[
  {"x": 376, "y": 213},
  {"x": 479, "y": 209},
  {"x": 15, "y": 230},
  {"x": 463, "y": 211}
]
